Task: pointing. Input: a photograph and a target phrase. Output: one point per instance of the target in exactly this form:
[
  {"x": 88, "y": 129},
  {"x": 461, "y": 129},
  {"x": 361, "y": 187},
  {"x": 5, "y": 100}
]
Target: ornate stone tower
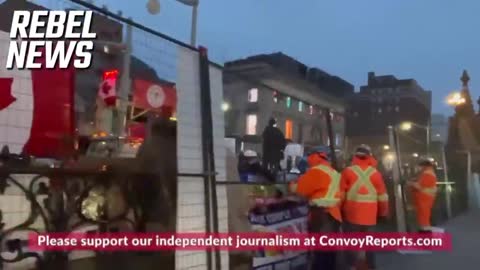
[{"x": 466, "y": 109}]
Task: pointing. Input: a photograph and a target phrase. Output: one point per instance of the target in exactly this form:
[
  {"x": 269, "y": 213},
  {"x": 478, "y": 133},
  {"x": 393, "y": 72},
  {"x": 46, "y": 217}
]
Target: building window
[
  {"x": 397, "y": 109},
  {"x": 251, "y": 124},
  {"x": 310, "y": 109},
  {"x": 253, "y": 95},
  {"x": 355, "y": 114},
  {"x": 300, "y": 106},
  {"x": 379, "y": 110},
  {"x": 289, "y": 102},
  {"x": 275, "y": 96},
  {"x": 288, "y": 129},
  {"x": 389, "y": 108}
]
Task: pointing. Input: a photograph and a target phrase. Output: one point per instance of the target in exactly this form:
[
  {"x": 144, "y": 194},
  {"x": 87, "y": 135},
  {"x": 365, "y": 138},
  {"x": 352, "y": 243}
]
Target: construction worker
[
  {"x": 366, "y": 199},
  {"x": 321, "y": 186},
  {"x": 424, "y": 188}
]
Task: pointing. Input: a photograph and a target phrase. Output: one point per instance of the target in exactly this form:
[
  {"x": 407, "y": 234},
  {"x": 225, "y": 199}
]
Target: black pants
[
  {"x": 322, "y": 222},
  {"x": 352, "y": 256}
]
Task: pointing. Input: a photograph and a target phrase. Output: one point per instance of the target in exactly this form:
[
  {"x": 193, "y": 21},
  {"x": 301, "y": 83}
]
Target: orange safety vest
[
  {"x": 364, "y": 201},
  {"x": 424, "y": 198},
  {"x": 329, "y": 198}
]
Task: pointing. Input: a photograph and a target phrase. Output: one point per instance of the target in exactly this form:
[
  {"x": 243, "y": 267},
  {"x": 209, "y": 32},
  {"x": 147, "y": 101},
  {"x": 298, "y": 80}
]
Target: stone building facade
[
  {"x": 384, "y": 101},
  {"x": 265, "y": 86}
]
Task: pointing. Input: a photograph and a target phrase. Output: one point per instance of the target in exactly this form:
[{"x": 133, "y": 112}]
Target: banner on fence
[{"x": 291, "y": 219}]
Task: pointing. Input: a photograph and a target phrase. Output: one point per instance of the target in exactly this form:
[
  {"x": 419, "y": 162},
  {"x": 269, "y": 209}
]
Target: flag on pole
[
  {"x": 156, "y": 97},
  {"x": 107, "y": 90}
]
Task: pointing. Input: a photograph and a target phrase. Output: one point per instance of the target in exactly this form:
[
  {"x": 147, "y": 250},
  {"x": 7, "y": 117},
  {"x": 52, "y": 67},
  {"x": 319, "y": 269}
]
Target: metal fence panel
[{"x": 153, "y": 57}]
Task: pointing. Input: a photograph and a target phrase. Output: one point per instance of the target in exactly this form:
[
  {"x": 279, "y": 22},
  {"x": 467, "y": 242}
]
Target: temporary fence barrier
[{"x": 136, "y": 52}]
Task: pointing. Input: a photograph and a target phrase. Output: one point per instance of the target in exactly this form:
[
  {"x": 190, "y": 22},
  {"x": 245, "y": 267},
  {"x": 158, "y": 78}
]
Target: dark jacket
[{"x": 273, "y": 144}]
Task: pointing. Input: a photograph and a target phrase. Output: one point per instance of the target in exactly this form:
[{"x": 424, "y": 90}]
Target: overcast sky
[{"x": 429, "y": 40}]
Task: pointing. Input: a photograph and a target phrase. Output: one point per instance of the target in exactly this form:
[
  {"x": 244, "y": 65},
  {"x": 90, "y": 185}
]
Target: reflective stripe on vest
[
  {"x": 363, "y": 179},
  {"x": 429, "y": 191},
  {"x": 330, "y": 198},
  {"x": 383, "y": 197}
]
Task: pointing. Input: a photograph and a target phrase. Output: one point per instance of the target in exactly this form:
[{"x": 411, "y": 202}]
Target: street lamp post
[
  {"x": 153, "y": 7},
  {"x": 408, "y": 126},
  {"x": 448, "y": 199},
  {"x": 193, "y": 33},
  {"x": 428, "y": 127}
]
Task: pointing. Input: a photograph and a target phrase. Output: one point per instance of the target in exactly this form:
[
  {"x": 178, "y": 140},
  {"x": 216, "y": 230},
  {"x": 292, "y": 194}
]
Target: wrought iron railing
[{"x": 66, "y": 199}]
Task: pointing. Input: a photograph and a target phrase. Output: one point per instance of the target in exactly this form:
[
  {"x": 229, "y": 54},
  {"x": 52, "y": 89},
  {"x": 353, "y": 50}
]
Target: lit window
[
  {"x": 397, "y": 109},
  {"x": 289, "y": 102},
  {"x": 275, "y": 96},
  {"x": 253, "y": 95},
  {"x": 300, "y": 106},
  {"x": 379, "y": 110},
  {"x": 310, "y": 109},
  {"x": 251, "y": 124},
  {"x": 288, "y": 129}
]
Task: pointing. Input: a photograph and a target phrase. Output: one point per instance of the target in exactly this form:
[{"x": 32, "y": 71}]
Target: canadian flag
[
  {"x": 36, "y": 108},
  {"x": 156, "y": 97},
  {"x": 6, "y": 97},
  {"x": 107, "y": 91}
]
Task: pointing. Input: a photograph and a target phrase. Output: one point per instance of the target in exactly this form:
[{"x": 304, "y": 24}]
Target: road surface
[{"x": 465, "y": 254}]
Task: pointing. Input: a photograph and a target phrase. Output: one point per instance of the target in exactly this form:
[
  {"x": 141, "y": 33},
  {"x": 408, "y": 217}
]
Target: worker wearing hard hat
[
  {"x": 424, "y": 189},
  {"x": 320, "y": 185},
  {"x": 366, "y": 199}
]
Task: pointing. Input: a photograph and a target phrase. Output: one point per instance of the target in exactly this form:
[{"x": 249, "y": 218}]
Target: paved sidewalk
[{"x": 465, "y": 232}]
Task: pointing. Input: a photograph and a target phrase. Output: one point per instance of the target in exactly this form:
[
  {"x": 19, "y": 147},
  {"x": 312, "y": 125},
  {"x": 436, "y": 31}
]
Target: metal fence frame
[{"x": 208, "y": 175}]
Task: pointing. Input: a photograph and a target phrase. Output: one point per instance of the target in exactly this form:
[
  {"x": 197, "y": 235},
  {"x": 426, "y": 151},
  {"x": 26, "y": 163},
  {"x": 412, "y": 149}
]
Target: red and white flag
[
  {"x": 36, "y": 108},
  {"x": 108, "y": 88},
  {"x": 152, "y": 96}
]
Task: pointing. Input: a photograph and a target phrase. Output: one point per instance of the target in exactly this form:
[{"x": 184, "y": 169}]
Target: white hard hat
[{"x": 250, "y": 153}]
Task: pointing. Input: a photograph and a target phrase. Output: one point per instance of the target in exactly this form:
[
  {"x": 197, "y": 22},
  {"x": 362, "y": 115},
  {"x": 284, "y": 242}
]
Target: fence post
[
  {"x": 211, "y": 207},
  {"x": 398, "y": 190}
]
